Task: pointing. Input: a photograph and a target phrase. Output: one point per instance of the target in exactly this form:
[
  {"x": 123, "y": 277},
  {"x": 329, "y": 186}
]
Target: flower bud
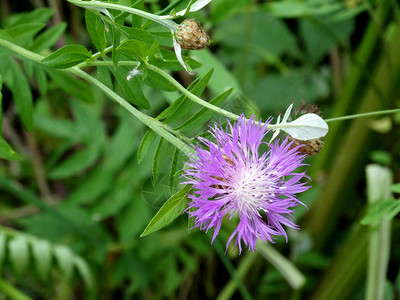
[
  {"x": 310, "y": 147},
  {"x": 191, "y": 36}
]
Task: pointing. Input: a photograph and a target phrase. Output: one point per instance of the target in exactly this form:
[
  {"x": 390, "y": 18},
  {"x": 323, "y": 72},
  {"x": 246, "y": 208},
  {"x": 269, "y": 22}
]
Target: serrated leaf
[
  {"x": 48, "y": 38},
  {"x": 65, "y": 261},
  {"x": 3, "y": 249},
  {"x": 75, "y": 163},
  {"x": 18, "y": 254},
  {"x": 67, "y": 56},
  {"x": 171, "y": 209},
  {"x": 306, "y": 127},
  {"x": 6, "y": 152},
  {"x": 148, "y": 139},
  {"x": 41, "y": 252},
  {"x": 95, "y": 27},
  {"x": 204, "y": 114}
]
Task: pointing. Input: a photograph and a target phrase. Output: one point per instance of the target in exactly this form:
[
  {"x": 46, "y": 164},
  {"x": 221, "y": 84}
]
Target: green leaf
[
  {"x": 84, "y": 271},
  {"x": 145, "y": 145},
  {"x": 134, "y": 49},
  {"x": 158, "y": 159},
  {"x": 41, "y": 79},
  {"x": 67, "y": 56},
  {"x": 22, "y": 94},
  {"x": 3, "y": 249},
  {"x": 171, "y": 209},
  {"x": 181, "y": 105},
  {"x": 64, "y": 258},
  {"x": 6, "y": 152},
  {"x": 48, "y": 38},
  {"x": 378, "y": 210},
  {"x": 75, "y": 163},
  {"x": 136, "y": 34},
  {"x": 24, "y": 31},
  {"x": 1, "y": 104},
  {"x": 71, "y": 85},
  {"x": 156, "y": 81},
  {"x": 41, "y": 251},
  {"x": 205, "y": 114},
  {"x": 18, "y": 254},
  {"x": 175, "y": 168},
  {"x": 131, "y": 88},
  {"x": 116, "y": 41},
  {"x": 95, "y": 27},
  {"x": 395, "y": 188},
  {"x": 39, "y": 15}
]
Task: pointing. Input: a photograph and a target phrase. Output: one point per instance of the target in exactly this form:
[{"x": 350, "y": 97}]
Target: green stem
[
  {"x": 12, "y": 291},
  {"x": 104, "y": 5},
  {"x": 292, "y": 275},
  {"x": 363, "y": 115},
  {"x": 155, "y": 125}
]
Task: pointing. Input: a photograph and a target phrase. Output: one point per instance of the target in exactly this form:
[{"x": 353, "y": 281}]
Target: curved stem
[
  {"x": 105, "y": 5},
  {"x": 154, "y": 124},
  {"x": 363, "y": 115}
]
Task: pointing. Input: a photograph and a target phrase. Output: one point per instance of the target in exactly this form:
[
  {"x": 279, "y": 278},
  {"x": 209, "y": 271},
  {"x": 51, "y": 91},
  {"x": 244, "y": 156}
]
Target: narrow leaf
[
  {"x": 64, "y": 259},
  {"x": 3, "y": 249},
  {"x": 84, "y": 271},
  {"x": 145, "y": 145},
  {"x": 131, "y": 88},
  {"x": 67, "y": 56},
  {"x": 205, "y": 114},
  {"x": 18, "y": 254},
  {"x": 41, "y": 251},
  {"x": 158, "y": 159},
  {"x": 48, "y": 38},
  {"x": 6, "y": 152},
  {"x": 22, "y": 95},
  {"x": 95, "y": 27},
  {"x": 75, "y": 163},
  {"x": 171, "y": 209}
]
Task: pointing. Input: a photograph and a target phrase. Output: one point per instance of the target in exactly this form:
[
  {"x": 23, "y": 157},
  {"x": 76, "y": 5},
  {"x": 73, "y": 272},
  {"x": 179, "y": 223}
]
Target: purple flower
[{"x": 230, "y": 177}]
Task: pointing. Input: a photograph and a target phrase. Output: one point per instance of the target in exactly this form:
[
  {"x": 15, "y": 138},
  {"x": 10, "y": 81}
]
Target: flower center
[{"x": 251, "y": 189}]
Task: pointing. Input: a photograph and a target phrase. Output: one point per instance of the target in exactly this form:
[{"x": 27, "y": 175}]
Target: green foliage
[{"x": 88, "y": 187}]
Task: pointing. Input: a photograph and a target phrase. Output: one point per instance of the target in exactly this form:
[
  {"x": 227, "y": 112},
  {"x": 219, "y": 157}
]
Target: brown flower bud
[
  {"x": 191, "y": 36},
  {"x": 310, "y": 147}
]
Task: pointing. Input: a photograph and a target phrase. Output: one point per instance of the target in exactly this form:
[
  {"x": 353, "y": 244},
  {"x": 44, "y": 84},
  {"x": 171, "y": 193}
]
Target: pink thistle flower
[{"x": 230, "y": 177}]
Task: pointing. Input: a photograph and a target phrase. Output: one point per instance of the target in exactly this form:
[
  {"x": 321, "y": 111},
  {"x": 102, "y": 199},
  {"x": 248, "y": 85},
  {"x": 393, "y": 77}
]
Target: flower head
[{"x": 230, "y": 178}]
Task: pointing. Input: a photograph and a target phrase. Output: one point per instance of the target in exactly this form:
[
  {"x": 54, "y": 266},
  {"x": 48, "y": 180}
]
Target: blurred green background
[{"x": 72, "y": 210}]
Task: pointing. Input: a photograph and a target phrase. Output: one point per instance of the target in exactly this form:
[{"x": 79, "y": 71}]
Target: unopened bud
[
  {"x": 191, "y": 36},
  {"x": 310, "y": 147}
]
